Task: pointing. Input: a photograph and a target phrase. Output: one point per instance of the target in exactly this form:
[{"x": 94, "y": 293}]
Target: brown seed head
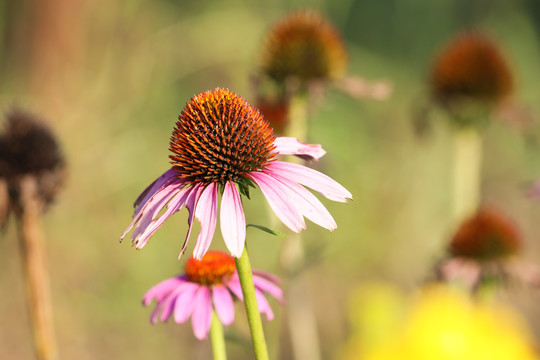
[
  {"x": 28, "y": 149},
  {"x": 214, "y": 268},
  {"x": 471, "y": 67},
  {"x": 489, "y": 235},
  {"x": 220, "y": 137},
  {"x": 304, "y": 45}
]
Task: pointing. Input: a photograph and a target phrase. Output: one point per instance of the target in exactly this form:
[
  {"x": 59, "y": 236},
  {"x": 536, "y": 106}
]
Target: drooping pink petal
[
  {"x": 263, "y": 305},
  {"x": 201, "y": 318},
  {"x": 206, "y": 213},
  {"x": 151, "y": 209},
  {"x": 162, "y": 289},
  {"x": 276, "y": 195},
  {"x": 233, "y": 222},
  {"x": 223, "y": 303},
  {"x": 191, "y": 204},
  {"x": 163, "y": 180},
  {"x": 268, "y": 287},
  {"x": 306, "y": 203},
  {"x": 291, "y": 146},
  {"x": 185, "y": 303},
  {"x": 234, "y": 285},
  {"x": 174, "y": 205},
  {"x": 166, "y": 305},
  {"x": 311, "y": 178},
  {"x": 270, "y": 277}
]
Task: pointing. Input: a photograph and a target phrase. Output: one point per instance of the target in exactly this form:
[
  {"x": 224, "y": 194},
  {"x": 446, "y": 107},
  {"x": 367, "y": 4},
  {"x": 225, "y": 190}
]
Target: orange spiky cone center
[
  {"x": 214, "y": 268},
  {"x": 486, "y": 236},
  {"x": 220, "y": 137}
]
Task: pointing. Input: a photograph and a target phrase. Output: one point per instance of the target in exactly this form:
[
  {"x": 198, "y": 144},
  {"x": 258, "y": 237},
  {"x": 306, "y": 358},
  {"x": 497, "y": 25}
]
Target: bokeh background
[{"x": 111, "y": 78}]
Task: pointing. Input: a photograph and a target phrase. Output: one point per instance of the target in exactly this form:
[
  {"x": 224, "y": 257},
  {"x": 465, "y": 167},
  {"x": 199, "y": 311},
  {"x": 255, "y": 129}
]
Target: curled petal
[
  {"x": 191, "y": 203},
  {"x": 312, "y": 179},
  {"x": 201, "y": 318},
  {"x": 223, "y": 303},
  {"x": 162, "y": 181},
  {"x": 291, "y": 146},
  {"x": 276, "y": 195},
  {"x": 206, "y": 213},
  {"x": 233, "y": 222}
]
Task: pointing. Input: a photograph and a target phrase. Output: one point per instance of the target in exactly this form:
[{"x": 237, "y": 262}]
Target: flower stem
[
  {"x": 217, "y": 338},
  {"x": 250, "y": 302},
  {"x": 467, "y": 168},
  {"x": 36, "y": 271}
]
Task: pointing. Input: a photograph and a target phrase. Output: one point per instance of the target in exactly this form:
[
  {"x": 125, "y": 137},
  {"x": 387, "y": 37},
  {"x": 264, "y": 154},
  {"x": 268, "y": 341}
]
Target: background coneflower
[
  {"x": 305, "y": 46},
  {"x": 485, "y": 247},
  {"x": 473, "y": 68},
  {"x": 32, "y": 171}
]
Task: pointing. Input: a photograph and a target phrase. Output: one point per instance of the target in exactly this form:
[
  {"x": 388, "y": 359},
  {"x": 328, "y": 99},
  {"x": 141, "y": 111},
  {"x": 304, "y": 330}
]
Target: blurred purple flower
[
  {"x": 208, "y": 284},
  {"x": 223, "y": 143}
]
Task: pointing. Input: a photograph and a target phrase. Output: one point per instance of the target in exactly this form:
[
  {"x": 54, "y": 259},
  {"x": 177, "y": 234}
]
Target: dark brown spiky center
[
  {"x": 487, "y": 236},
  {"x": 219, "y": 137}
]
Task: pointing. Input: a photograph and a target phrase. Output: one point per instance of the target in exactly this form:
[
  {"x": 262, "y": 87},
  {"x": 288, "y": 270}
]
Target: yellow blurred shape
[{"x": 445, "y": 324}]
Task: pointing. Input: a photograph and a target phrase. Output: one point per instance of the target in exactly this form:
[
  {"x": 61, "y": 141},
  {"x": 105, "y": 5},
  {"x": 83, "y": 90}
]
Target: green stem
[
  {"x": 250, "y": 302},
  {"x": 217, "y": 338},
  {"x": 467, "y": 173}
]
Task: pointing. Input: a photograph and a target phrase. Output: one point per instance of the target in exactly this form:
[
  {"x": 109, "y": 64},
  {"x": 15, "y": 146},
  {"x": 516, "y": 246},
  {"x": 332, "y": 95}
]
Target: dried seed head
[
  {"x": 471, "y": 67},
  {"x": 214, "y": 268},
  {"x": 27, "y": 146},
  {"x": 489, "y": 235},
  {"x": 28, "y": 149},
  {"x": 306, "y": 46},
  {"x": 219, "y": 137}
]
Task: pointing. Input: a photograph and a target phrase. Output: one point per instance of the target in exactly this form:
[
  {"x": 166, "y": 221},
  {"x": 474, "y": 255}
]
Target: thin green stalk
[
  {"x": 467, "y": 169},
  {"x": 217, "y": 338},
  {"x": 250, "y": 302}
]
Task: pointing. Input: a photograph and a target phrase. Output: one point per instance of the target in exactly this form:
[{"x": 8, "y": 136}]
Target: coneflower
[
  {"x": 32, "y": 171},
  {"x": 222, "y": 144},
  {"x": 471, "y": 68},
  {"x": 486, "y": 246},
  {"x": 305, "y": 46}
]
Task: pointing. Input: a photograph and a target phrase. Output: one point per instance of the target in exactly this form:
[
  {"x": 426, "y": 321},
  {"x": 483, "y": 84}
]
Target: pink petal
[
  {"x": 191, "y": 203},
  {"x": 206, "y": 213},
  {"x": 154, "y": 187},
  {"x": 166, "y": 306},
  {"x": 174, "y": 205},
  {"x": 151, "y": 209},
  {"x": 306, "y": 203},
  {"x": 233, "y": 222},
  {"x": 291, "y": 146},
  {"x": 270, "y": 277},
  {"x": 268, "y": 287},
  {"x": 162, "y": 289},
  {"x": 311, "y": 178},
  {"x": 264, "y": 306},
  {"x": 185, "y": 303},
  {"x": 223, "y": 303},
  {"x": 234, "y": 285},
  {"x": 201, "y": 318},
  {"x": 276, "y": 195}
]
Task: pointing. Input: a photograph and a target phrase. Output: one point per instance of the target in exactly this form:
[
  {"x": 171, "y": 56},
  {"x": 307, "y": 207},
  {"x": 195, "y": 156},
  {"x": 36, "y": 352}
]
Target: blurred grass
[{"x": 114, "y": 104}]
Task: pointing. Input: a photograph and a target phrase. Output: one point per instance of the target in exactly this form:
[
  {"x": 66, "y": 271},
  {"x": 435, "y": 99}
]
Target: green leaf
[{"x": 265, "y": 229}]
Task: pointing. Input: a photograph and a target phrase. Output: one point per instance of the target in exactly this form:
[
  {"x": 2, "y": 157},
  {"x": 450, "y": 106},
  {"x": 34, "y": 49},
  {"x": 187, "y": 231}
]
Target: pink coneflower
[
  {"x": 487, "y": 247},
  {"x": 222, "y": 144},
  {"x": 208, "y": 284}
]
